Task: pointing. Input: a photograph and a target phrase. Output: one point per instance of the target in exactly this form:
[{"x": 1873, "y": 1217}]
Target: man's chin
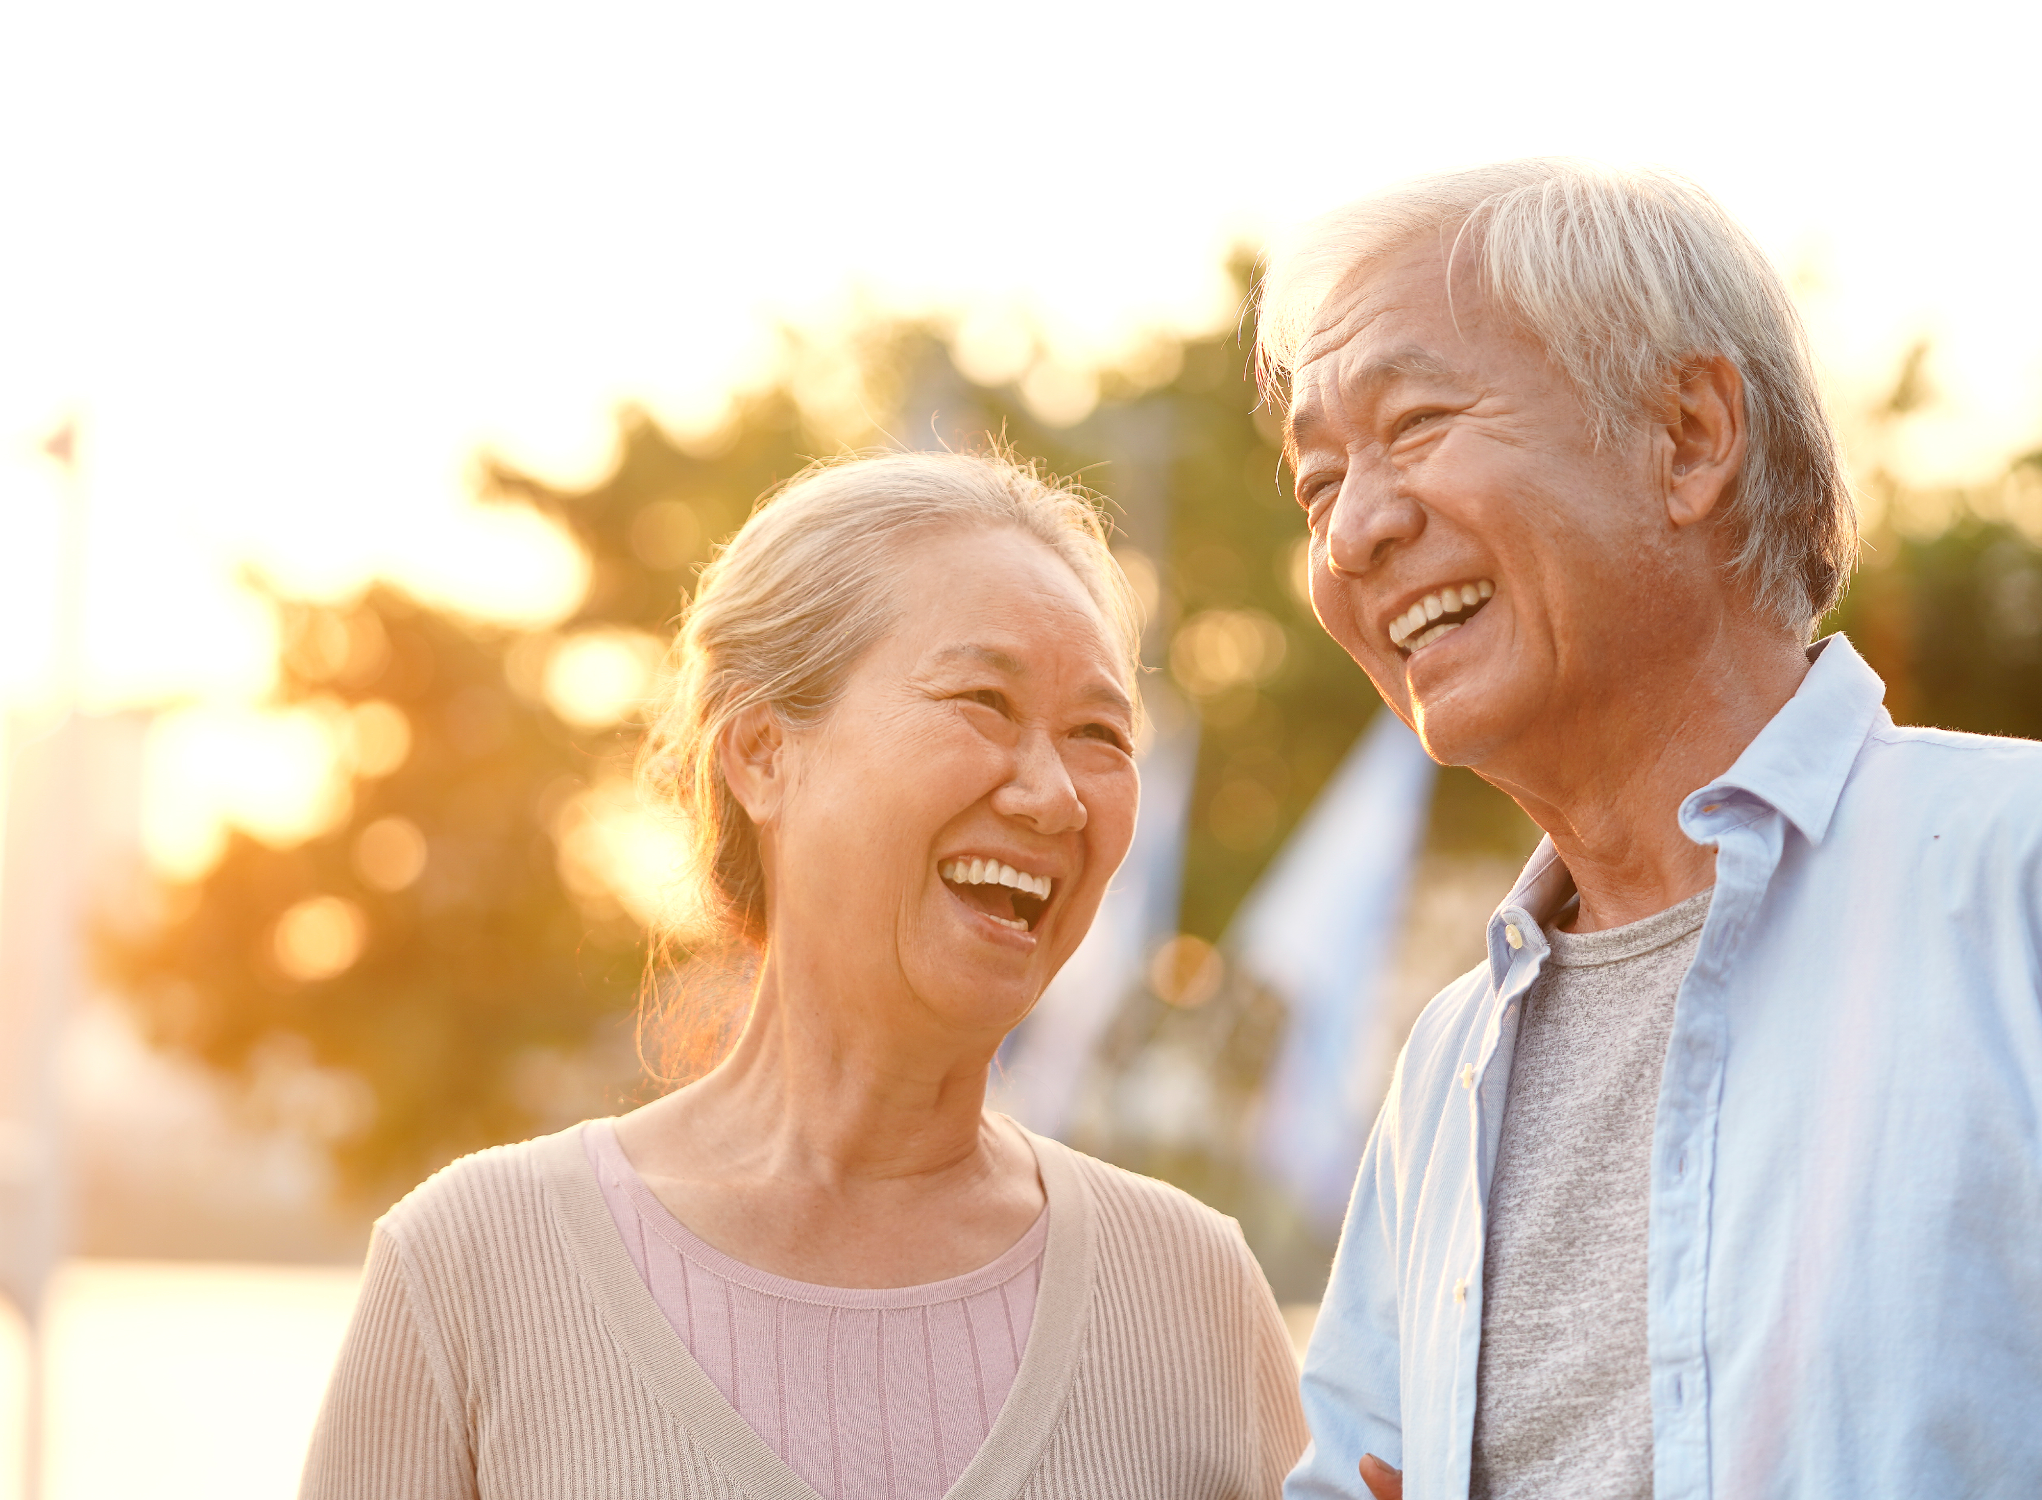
[{"x": 1458, "y": 728}]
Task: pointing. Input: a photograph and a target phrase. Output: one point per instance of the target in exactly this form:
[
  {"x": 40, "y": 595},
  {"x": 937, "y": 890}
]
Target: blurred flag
[
  {"x": 1046, "y": 1060},
  {"x": 1321, "y": 930}
]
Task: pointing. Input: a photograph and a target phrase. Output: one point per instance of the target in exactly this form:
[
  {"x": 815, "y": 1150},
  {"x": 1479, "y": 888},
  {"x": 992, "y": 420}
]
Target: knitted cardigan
[{"x": 505, "y": 1347}]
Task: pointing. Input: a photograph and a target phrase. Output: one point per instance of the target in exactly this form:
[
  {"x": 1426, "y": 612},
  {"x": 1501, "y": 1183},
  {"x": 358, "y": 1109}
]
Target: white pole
[{"x": 43, "y": 839}]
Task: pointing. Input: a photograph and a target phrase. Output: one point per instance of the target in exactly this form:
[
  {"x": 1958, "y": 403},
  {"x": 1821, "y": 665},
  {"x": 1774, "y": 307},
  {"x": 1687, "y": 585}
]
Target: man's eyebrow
[
  {"x": 1410, "y": 360},
  {"x": 1306, "y": 423}
]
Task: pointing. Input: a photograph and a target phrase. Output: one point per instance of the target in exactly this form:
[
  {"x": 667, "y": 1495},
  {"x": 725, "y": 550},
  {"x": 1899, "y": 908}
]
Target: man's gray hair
[{"x": 1626, "y": 278}]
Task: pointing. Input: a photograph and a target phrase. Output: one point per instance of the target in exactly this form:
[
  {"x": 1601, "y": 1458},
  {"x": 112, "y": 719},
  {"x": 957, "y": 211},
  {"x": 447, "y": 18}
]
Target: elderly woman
[{"x": 902, "y": 730}]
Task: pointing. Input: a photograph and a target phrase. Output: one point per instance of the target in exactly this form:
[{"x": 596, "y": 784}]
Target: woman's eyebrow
[
  {"x": 1112, "y": 697},
  {"x": 991, "y": 656},
  {"x": 1013, "y": 666}
]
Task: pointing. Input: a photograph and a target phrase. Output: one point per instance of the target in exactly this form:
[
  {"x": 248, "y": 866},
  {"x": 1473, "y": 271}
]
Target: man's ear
[
  {"x": 753, "y": 754},
  {"x": 1705, "y": 440}
]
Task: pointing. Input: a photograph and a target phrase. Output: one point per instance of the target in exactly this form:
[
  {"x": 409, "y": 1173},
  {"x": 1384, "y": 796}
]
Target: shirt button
[
  {"x": 1461, "y": 1290},
  {"x": 1512, "y": 936},
  {"x": 1467, "y": 1075}
]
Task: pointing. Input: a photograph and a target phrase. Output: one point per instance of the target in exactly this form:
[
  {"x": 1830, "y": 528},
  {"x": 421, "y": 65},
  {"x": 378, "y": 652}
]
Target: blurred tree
[
  {"x": 1947, "y": 602},
  {"x": 449, "y": 942}
]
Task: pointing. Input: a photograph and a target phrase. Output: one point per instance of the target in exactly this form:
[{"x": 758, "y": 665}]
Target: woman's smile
[{"x": 993, "y": 888}]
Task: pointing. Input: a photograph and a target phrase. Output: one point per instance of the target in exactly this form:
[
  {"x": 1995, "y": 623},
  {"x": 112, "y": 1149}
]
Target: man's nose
[{"x": 1371, "y": 515}]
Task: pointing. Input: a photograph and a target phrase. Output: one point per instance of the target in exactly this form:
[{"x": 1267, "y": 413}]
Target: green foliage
[{"x": 465, "y": 969}]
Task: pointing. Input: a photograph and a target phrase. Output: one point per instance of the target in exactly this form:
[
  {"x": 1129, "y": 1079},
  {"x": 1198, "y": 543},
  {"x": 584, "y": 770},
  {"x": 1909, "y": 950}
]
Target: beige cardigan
[{"x": 505, "y": 1346}]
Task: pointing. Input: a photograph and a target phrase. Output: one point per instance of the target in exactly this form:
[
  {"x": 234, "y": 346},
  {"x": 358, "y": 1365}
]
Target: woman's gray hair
[
  {"x": 1626, "y": 278},
  {"x": 796, "y": 598}
]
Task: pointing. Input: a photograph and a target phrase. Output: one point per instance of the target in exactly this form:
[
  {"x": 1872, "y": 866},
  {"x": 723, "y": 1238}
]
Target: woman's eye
[{"x": 1104, "y": 732}]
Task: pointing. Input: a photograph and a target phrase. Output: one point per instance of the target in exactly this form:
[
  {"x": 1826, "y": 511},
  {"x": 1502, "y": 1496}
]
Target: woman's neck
[
  {"x": 832, "y": 1085},
  {"x": 844, "y": 1141}
]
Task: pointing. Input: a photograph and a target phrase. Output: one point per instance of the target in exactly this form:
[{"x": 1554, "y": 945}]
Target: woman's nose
[
  {"x": 1040, "y": 792},
  {"x": 1371, "y": 515}
]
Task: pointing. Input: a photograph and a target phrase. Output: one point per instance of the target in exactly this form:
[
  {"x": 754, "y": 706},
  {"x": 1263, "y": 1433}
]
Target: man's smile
[{"x": 1437, "y": 613}]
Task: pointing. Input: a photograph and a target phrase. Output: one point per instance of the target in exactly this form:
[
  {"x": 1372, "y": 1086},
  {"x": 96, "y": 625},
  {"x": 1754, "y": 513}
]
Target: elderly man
[{"x": 1723, "y": 1174}]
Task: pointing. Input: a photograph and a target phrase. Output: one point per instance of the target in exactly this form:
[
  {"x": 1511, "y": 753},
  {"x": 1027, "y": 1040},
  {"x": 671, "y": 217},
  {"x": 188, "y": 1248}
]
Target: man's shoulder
[{"x": 1984, "y": 785}]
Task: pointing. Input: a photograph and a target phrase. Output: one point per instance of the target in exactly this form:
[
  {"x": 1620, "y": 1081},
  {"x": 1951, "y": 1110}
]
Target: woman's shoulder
[
  {"x": 1150, "y": 1212},
  {"x": 481, "y": 1199}
]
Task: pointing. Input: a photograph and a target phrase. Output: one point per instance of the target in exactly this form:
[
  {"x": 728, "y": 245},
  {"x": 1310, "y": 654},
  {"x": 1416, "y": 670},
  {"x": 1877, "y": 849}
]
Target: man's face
[{"x": 1494, "y": 573}]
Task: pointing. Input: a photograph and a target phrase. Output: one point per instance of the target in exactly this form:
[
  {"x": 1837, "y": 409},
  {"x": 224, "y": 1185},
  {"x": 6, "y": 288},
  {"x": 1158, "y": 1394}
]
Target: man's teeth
[
  {"x": 992, "y": 872},
  {"x": 1442, "y": 611}
]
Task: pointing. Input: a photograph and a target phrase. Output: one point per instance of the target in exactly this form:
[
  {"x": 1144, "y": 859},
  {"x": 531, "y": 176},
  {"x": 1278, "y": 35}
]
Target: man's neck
[{"x": 1608, "y": 788}]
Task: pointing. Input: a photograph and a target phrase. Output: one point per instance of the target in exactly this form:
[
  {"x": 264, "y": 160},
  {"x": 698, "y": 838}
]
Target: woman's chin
[{"x": 992, "y": 995}]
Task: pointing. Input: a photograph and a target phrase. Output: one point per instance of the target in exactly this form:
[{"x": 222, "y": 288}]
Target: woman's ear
[
  {"x": 1706, "y": 443},
  {"x": 753, "y": 755}
]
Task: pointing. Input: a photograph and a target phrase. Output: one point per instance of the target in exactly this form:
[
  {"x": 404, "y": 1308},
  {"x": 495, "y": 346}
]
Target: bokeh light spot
[
  {"x": 1226, "y": 648},
  {"x": 597, "y": 677},
  {"x": 319, "y": 938},
  {"x": 378, "y": 737},
  {"x": 1186, "y": 971},
  {"x": 390, "y": 854}
]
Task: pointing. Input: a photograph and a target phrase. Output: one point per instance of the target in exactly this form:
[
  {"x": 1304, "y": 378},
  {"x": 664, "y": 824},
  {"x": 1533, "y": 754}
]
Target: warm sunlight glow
[
  {"x": 616, "y": 853},
  {"x": 279, "y": 776},
  {"x": 595, "y": 678},
  {"x": 215, "y": 1371}
]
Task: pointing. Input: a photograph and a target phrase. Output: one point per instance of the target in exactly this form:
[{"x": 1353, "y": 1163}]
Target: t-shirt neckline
[{"x": 661, "y": 1220}]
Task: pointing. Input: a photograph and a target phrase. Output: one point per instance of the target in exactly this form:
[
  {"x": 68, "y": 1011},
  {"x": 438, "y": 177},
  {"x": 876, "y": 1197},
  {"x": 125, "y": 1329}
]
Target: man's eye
[
  {"x": 1414, "y": 419},
  {"x": 985, "y": 697}
]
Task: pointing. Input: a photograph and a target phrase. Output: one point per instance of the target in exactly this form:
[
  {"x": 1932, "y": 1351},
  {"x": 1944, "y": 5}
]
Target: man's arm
[{"x": 1352, "y": 1369}]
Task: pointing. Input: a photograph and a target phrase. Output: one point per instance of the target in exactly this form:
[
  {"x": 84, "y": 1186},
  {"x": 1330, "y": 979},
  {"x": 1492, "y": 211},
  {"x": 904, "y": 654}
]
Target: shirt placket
[{"x": 1748, "y": 841}]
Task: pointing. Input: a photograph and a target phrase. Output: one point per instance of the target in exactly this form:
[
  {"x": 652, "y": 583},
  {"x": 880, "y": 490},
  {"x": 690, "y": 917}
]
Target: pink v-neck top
[{"x": 862, "y": 1392}]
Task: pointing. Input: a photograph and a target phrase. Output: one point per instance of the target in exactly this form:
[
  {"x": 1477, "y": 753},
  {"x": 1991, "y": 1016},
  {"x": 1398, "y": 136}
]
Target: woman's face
[{"x": 945, "y": 835}]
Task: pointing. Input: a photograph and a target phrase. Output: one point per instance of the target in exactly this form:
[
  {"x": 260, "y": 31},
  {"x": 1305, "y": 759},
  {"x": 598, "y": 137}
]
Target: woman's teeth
[
  {"x": 1436, "y": 614},
  {"x": 992, "y": 872}
]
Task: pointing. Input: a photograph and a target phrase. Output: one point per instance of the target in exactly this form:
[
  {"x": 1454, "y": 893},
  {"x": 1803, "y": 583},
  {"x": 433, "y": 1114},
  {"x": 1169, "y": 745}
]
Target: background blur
[{"x": 399, "y": 365}]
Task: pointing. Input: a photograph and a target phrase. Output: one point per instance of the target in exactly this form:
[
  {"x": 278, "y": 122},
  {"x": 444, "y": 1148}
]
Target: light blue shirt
[{"x": 1845, "y": 1269}]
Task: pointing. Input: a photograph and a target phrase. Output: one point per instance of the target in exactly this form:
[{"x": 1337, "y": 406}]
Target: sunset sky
[{"x": 290, "y": 268}]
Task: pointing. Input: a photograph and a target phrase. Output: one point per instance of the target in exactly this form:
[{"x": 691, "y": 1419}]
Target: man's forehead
[{"x": 1397, "y": 320}]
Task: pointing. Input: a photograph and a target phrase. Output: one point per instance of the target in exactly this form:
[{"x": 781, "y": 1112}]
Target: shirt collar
[
  {"x": 1541, "y": 891},
  {"x": 1799, "y": 762}
]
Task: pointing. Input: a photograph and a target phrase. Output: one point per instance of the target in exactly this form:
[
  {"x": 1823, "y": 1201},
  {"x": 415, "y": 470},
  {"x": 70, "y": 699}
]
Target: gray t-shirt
[{"x": 1563, "y": 1397}]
